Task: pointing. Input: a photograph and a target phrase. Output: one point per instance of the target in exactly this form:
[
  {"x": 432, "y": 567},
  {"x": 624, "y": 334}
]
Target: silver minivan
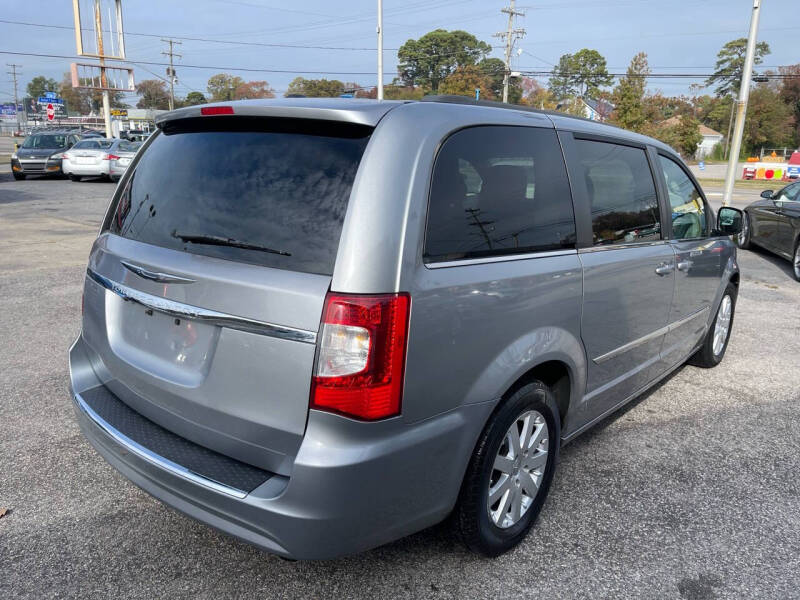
[{"x": 322, "y": 325}]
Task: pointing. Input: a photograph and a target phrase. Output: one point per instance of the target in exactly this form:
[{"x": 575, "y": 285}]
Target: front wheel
[
  {"x": 18, "y": 176},
  {"x": 743, "y": 239},
  {"x": 509, "y": 475},
  {"x": 796, "y": 261},
  {"x": 715, "y": 343},
  {"x": 75, "y": 177}
]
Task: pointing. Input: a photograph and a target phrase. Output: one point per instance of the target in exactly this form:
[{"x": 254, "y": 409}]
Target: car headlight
[
  {"x": 14, "y": 156},
  {"x": 56, "y": 156}
]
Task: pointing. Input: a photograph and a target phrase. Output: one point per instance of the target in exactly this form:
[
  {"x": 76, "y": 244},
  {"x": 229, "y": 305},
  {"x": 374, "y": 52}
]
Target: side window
[
  {"x": 790, "y": 193},
  {"x": 686, "y": 204},
  {"x": 497, "y": 191},
  {"x": 621, "y": 191}
]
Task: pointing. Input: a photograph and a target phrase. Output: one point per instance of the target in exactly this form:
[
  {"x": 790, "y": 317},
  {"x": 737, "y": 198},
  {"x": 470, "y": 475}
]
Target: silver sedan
[
  {"x": 123, "y": 155},
  {"x": 97, "y": 158}
]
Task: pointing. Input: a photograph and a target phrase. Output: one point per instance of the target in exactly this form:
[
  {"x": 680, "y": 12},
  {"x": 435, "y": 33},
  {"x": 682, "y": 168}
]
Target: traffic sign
[{"x": 51, "y": 112}]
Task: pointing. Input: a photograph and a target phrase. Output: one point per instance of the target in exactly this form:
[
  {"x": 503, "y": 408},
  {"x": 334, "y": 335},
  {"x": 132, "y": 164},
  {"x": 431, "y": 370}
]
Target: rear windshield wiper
[{"x": 217, "y": 240}]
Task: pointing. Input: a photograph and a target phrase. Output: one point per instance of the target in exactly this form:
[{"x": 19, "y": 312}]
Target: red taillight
[
  {"x": 65, "y": 156},
  {"x": 362, "y": 355},
  {"x": 216, "y": 110},
  {"x": 111, "y": 157}
]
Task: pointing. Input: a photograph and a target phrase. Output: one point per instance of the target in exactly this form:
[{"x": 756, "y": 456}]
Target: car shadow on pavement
[{"x": 783, "y": 264}]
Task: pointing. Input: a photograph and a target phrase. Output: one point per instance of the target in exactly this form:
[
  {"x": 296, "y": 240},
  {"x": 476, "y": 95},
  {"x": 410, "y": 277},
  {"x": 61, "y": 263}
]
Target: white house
[
  {"x": 596, "y": 110},
  {"x": 710, "y": 138}
]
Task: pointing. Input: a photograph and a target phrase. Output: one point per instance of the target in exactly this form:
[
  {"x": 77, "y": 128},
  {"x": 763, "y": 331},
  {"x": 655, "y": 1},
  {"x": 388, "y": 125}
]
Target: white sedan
[{"x": 90, "y": 158}]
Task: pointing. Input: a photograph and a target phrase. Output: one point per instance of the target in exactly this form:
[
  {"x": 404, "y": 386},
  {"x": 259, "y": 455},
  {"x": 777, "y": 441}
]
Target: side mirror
[
  {"x": 767, "y": 194},
  {"x": 729, "y": 220}
]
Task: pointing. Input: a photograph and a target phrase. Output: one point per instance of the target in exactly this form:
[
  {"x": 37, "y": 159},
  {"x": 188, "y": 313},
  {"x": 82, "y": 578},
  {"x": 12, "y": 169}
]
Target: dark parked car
[{"x": 773, "y": 222}]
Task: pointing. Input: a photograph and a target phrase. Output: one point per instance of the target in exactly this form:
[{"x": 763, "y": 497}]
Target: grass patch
[{"x": 740, "y": 184}]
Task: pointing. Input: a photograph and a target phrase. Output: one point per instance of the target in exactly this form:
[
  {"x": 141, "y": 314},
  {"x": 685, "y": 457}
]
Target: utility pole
[
  {"x": 13, "y": 73},
  {"x": 510, "y": 35},
  {"x": 171, "y": 70},
  {"x": 741, "y": 105},
  {"x": 98, "y": 28},
  {"x": 380, "y": 50}
]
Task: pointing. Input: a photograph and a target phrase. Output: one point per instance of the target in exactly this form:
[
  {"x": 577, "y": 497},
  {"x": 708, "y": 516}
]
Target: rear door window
[
  {"x": 621, "y": 191},
  {"x": 497, "y": 191},
  {"x": 268, "y": 192}
]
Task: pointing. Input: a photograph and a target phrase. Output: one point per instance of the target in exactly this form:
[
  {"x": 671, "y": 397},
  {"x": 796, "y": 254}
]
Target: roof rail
[{"x": 452, "y": 99}]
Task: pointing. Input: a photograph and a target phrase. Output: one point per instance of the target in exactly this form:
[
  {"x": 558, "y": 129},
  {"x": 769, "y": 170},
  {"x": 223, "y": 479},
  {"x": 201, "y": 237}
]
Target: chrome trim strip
[
  {"x": 622, "y": 246},
  {"x": 151, "y": 457},
  {"x": 155, "y": 275},
  {"x": 179, "y": 309},
  {"x": 495, "y": 259},
  {"x": 650, "y": 336}
]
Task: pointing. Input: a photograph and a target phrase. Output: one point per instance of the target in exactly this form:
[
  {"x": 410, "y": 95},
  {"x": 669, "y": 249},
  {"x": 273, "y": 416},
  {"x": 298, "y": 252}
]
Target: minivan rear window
[{"x": 271, "y": 192}]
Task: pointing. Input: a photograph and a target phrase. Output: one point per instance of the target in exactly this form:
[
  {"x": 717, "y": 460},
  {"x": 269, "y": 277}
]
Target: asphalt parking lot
[{"x": 690, "y": 492}]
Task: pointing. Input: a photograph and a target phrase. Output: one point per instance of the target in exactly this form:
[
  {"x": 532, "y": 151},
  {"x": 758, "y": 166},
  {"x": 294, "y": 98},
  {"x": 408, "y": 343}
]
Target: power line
[{"x": 522, "y": 71}]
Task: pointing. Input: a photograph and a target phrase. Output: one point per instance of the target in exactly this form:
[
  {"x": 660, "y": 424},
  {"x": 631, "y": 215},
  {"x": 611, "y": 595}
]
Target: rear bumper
[
  {"x": 353, "y": 486},
  {"x": 117, "y": 170},
  {"x": 71, "y": 168}
]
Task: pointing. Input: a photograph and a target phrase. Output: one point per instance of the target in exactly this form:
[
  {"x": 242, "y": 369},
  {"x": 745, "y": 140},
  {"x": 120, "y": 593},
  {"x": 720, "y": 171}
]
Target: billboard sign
[
  {"x": 36, "y": 108},
  {"x": 8, "y": 110}
]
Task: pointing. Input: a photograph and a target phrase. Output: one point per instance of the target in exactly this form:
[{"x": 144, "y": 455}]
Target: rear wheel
[
  {"x": 509, "y": 475},
  {"x": 743, "y": 239},
  {"x": 715, "y": 343},
  {"x": 796, "y": 261},
  {"x": 75, "y": 177},
  {"x": 18, "y": 176}
]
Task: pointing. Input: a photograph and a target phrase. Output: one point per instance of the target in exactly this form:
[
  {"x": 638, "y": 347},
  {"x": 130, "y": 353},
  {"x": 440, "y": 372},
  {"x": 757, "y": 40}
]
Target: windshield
[
  {"x": 267, "y": 192},
  {"x": 129, "y": 146},
  {"x": 49, "y": 141},
  {"x": 94, "y": 145}
]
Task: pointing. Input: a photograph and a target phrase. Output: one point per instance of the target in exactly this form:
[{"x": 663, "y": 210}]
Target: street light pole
[
  {"x": 741, "y": 105},
  {"x": 380, "y": 50}
]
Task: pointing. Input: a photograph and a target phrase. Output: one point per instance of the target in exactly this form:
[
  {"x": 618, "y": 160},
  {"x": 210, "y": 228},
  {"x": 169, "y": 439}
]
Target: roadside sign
[
  {"x": 50, "y": 95},
  {"x": 49, "y": 100},
  {"x": 701, "y": 165},
  {"x": 51, "y": 112},
  {"x": 119, "y": 112},
  {"x": 793, "y": 172}
]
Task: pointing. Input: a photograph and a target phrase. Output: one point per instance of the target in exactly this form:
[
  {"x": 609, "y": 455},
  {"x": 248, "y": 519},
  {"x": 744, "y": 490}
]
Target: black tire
[
  {"x": 18, "y": 176},
  {"x": 796, "y": 260},
  {"x": 743, "y": 239},
  {"x": 75, "y": 177},
  {"x": 471, "y": 516},
  {"x": 705, "y": 357}
]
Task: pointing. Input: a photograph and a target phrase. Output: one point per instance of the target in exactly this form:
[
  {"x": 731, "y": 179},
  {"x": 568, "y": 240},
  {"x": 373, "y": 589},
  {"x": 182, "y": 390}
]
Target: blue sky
[{"x": 678, "y": 36}]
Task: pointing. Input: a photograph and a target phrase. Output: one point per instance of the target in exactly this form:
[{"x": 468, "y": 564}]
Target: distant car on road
[
  {"x": 773, "y": 222},
  {"x": 124, "y": 151},
  {"x": 94, "y": 158}
]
